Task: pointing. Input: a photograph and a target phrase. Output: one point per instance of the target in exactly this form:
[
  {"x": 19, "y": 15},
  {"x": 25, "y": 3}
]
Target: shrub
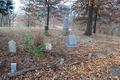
[{"x": 38, "y": 41}]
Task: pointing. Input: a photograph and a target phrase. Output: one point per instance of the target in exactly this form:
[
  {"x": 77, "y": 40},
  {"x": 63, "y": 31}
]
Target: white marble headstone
[
  {"x": 48, "y": 46},
  {"x": 12, "y": 46},
  {"x": 13, "y": 67},
  {"x": 89, "y": 56},
  {"x": 61, "y": 61},
  {"x": 57, "y": 33}
]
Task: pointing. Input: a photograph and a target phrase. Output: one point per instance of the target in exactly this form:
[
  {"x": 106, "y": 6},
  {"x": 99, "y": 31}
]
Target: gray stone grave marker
[
  {"x": 65, "y": 28},
  {"x": 57, "y": 33},
  {"x": 89, "y": 56},
  {"x": 61, "y": 61},
  {"x": 12, "y": 46},
  {"x": 71, "y": 42}
]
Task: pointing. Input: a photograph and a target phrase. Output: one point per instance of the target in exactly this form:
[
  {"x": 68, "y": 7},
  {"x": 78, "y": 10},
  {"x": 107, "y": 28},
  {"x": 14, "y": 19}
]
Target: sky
[{"x": 17, "y": 5}]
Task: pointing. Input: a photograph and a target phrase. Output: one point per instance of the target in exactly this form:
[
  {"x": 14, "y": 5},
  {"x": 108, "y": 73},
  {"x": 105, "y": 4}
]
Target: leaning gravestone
[
  {"x": 71, "y": 42},
  {"x": 12, "y": 46},
  {"x": 65, "y": 28}
]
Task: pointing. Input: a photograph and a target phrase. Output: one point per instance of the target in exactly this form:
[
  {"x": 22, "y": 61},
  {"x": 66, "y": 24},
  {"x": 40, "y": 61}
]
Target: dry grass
[
  {"x": 38, "y": 39},
  {"x": 16, "y": 33}
]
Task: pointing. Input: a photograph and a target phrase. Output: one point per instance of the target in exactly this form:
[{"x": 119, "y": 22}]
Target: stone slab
[
  {"x": 72, "y": 40},
  {"x": 71, "y": 46}
]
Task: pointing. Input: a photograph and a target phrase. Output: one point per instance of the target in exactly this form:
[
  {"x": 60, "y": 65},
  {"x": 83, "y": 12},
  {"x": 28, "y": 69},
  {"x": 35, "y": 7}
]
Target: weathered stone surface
[
  {"x": 62, "y": 60},
  {"x": 48, "y": 46},
  {"x": 89, "y": 56},
  {"x": 65, "y": 28},
  {"x": 12, "y": 46},
  {"x": 13, "y": 67},
  {"x": 65, "y": 31},
  {"x": 71, "y": 42}
]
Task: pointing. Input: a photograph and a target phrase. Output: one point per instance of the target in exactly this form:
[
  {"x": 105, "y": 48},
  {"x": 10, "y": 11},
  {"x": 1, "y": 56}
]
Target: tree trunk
[
  {"x": 94, "y": 26},
  {"x": 4, "y": 21},
  {"x": 9, "y": 23},
  {"x": 47, "y": 26},
  {"x": 1, "y": 21},
  {"x": 13, "y": 23},
  {"x": 89, "y": 24},
  {"x": 28, "y": 25},
  {"x": 7, "y": 19}
]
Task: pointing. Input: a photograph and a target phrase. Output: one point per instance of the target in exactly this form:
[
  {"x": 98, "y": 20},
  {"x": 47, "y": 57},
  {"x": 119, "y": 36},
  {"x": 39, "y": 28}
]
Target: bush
[{"x": 38, "y": 44}]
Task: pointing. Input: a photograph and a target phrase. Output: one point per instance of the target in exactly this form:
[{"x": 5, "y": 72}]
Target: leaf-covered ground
[{"x": 103, "y": 65}]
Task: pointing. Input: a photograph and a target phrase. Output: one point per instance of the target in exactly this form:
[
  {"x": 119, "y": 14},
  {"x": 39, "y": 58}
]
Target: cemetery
[
  {"x": 53, "y": 48},
  {"x": 60, "y": 52}
]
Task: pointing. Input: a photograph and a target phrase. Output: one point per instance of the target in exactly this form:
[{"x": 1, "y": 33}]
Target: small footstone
[
  {"x": 13, "y": 67},
  {"x": 89, "y": 56},
  {"x": 61, "y": 61},
  {"x": 48, "y": 46}
]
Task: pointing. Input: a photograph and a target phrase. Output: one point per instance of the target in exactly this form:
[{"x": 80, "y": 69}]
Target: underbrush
[{"x": 76, "y": 65}]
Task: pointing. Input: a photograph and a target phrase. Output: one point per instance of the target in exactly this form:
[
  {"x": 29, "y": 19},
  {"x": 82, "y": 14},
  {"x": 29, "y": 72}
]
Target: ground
[{"x": 103, "y": 65}]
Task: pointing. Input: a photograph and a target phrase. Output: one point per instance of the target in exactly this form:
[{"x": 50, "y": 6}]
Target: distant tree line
[{"x": 6, "y": 12}]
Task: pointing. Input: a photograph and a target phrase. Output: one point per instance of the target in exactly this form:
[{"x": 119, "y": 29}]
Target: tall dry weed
[{"x": 38, "y": 39}]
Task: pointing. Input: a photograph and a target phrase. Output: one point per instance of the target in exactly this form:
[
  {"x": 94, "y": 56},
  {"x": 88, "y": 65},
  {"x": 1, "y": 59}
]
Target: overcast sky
[{"x": 17, "y": 5}]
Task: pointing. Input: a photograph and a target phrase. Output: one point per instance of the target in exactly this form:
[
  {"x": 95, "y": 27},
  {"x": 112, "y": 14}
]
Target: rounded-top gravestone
[
  {"x": 71, "y": 42},
  {"x": 12, "y": 46}
]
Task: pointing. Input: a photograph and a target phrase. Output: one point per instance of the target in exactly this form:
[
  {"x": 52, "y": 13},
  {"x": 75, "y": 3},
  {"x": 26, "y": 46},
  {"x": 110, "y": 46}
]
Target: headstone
[
  {"x": 71, "y": 42},
  {"x": 57, "y": 33},
  {"x": 13, "y": 67},
  {"x": 48, "y": 46},
  {"x": 61, "y": 61},
  {"x": 12, "y": 46},
  {"x": 65, "y": 28},
  {"x": 65, "y": 31},
  {"x": 89, "y": 56}
]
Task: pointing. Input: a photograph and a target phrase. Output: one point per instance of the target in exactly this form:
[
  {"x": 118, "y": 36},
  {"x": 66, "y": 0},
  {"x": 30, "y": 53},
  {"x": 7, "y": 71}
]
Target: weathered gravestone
[
  {"x": 57, "y": 33},
  {"x": 71, "y": 42},
  {"x": 48, "y": 46},
  {"x": 62, "y": 61},
  {"x": 12, "y": 46},
  {"x": 89, "y": 56},
  {"x": 13, "y": 67},
  {"x": 65, "y": 28}
]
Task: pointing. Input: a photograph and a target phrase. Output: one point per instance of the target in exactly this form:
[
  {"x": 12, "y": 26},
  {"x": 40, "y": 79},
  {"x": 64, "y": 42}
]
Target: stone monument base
[
  {"x": 65, "y": 33},
  {"x": 71, "y": 46}
]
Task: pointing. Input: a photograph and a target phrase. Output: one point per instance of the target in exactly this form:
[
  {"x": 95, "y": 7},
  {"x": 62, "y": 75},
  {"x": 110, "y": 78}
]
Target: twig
[
  {"x": 41, "y": 75},
  {"x": 74, "y": 63},
  {"x": 65, "y": 55},
  {"x": 84, "y": 54},
  {"x": 62, "y": 70},
  {"x": 3, "y": 63}
]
